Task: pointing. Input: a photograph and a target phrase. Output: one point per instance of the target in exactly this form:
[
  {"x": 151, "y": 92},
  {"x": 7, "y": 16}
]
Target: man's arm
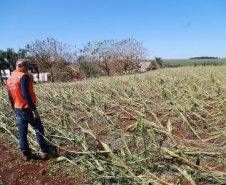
[
  {"x": 10, "y": 100},
  {"x": 24, "y": 85}
]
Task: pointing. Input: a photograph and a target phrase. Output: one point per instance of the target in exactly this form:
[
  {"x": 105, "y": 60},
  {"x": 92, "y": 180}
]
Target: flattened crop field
[{"x": 160, "y": 127}]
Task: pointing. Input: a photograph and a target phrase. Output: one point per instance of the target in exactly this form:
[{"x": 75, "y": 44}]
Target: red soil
[
  {"x": 183, "y": 135},
  {"x": 13, "y": 170}
]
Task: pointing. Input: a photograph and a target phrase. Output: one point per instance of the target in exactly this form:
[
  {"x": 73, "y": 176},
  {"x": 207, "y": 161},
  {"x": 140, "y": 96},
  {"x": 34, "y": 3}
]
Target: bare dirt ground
[{"x": 13, "y": 170}]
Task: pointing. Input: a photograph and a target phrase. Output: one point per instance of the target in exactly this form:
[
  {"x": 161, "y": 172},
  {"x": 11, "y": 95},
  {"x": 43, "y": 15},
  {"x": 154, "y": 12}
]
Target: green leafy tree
[
  {"x": 159, "y": 61},
  {"x": 22, "y": 53},
  {"x": 11, "y": 57},
  {"x": 3, "y": 65}
]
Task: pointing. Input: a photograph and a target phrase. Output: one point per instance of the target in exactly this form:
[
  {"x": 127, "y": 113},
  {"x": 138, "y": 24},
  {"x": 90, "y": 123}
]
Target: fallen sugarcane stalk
[
  {"x": 185, "y": 174},
  {"x": 204, "y": 140},
  {"x": 137, "y": 162},
  {"x": 198, "y": 152},
  {"x": 185, "y": 160},
  {"x": 7, "y": 130},
  {"x": 75, "y": 152},
  {"x": 61, "y": 137},
  {"x": 185, "y": 119},
  {"x": 151, "y": 174},
  {"x": 107, "y": 150},
  {"x": 106, "y": 147}
]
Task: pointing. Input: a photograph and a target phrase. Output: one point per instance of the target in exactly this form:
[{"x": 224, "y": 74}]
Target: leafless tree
[
  {"x": 102, "y": 54},
  {"x": 67, "y": 71},
  {"x": 50, "y": 53},
  {"x": 129, "y": 54},
  {"x": 76, "y": 68},
  {"x": 115, "y": 56}
]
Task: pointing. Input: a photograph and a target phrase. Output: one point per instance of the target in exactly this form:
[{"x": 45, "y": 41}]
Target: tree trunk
[
  {"x": 108, "y": 72},
  {"x": 106, "y": 67},
  {"x": 125, "y": 68},
  {"x": 1, "y": 77},
  {"x": 38, "y": 73},
  {"x": 51, "y": 74}
]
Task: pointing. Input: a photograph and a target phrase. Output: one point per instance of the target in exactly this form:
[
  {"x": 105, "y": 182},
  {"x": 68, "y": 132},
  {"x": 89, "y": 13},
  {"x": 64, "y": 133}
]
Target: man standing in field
[{"x": 23, "y": 99}]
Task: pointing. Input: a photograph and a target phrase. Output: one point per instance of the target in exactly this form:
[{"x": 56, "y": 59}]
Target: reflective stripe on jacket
[{"x": 13, "y": 85}]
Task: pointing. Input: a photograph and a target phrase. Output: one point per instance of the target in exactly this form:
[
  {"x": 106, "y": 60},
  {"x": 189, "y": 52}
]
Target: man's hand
[{"x": 35, "y": 114}]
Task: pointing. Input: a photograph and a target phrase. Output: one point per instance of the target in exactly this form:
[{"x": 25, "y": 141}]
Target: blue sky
[{"x": 170, "y": 29}]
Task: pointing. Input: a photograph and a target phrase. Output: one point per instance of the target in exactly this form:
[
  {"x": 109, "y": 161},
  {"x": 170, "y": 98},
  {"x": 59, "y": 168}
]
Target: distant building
[
  {"x": 147, "y": 66},
  {"x": 5, "y": 73},
  {"x": 43, "y": 77}
]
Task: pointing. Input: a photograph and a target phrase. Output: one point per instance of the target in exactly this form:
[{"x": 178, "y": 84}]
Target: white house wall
[{"x": 7, "y": 73}]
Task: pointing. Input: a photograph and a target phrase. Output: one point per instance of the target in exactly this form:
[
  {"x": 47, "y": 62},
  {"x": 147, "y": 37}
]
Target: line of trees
[
  {"x": 114, "y": 56},
  {"x": 65, "y": 62},
  {"x": 204, "y": 57}
]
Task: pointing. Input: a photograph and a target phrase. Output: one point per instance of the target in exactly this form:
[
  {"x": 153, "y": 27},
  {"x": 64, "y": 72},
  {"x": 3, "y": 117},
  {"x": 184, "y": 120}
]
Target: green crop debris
[{"x": 160, "y": 127}]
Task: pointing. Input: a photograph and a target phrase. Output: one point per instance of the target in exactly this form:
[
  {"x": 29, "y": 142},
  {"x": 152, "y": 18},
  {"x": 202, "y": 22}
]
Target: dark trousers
[{"x": 25, "y": 116}]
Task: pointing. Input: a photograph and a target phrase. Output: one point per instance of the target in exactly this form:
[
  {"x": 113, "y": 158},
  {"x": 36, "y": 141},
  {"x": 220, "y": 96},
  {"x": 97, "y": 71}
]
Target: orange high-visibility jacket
[{"x": 13, "y": 86}]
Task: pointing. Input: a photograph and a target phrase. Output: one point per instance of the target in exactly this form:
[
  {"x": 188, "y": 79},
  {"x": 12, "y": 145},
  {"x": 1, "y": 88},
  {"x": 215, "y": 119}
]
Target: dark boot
[
  {"x": 27, "y": 158},
  {"x": 45, "y": 156}
]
